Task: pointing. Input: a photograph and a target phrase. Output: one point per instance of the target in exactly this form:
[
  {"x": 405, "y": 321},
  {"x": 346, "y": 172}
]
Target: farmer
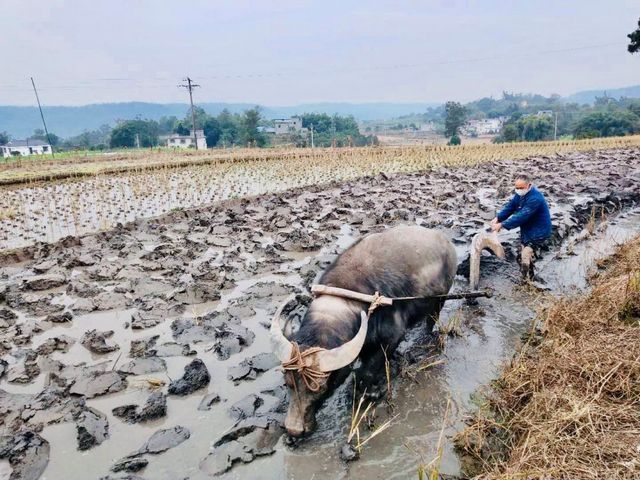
[{"x": 528, "y": 210}]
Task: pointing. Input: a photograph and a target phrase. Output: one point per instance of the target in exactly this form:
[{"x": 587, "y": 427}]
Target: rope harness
[{"x": 313, "y": 378}]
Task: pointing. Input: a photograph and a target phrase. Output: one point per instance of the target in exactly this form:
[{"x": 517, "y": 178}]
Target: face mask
[{"x": 522, "y": 191}]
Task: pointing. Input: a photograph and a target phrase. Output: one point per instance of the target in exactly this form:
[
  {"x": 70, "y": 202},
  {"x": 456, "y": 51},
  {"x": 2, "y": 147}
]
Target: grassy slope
[{"x": 568, "y": 406}]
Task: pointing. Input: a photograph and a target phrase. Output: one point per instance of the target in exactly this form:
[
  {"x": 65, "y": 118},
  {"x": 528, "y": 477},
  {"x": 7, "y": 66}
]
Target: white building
[
  {"x": 284, "y": 126},
  {"x": 23, "y": 148},
  {"x": 540, "y": 113},
  {"x": 484, "y": 126},
  {"x": 186, "y": 141},
  {"x": 427, "y": 127}
]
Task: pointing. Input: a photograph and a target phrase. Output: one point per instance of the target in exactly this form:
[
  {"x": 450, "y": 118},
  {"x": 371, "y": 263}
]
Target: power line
[{"x": 289, "y": 72}]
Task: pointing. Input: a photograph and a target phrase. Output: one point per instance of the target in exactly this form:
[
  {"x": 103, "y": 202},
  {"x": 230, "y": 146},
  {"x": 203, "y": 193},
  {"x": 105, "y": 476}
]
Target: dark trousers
[{"x": 529, "y": 252}]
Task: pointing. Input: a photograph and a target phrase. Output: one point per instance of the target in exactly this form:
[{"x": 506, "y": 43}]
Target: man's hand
[{"x": 496, "y": 227}]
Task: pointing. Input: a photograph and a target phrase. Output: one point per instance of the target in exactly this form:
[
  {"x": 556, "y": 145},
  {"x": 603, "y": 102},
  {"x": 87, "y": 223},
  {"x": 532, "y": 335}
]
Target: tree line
[
  {"x": 535, "y": 117},
  {"x": 224, "y": 130}
]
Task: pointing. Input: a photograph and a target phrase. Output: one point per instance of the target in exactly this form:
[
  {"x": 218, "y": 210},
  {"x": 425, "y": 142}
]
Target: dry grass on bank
[{"x": 568, "y": 405}]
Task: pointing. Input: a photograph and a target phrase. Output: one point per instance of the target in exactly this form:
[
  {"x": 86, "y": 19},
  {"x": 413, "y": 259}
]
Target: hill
[
  {"x": 66, "y": 121},
  {"x": 589, "y": 96}
]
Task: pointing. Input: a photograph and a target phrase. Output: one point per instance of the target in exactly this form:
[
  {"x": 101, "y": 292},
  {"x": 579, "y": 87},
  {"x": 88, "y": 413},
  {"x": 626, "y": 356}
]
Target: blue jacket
[{"x": 530, "y": 212}]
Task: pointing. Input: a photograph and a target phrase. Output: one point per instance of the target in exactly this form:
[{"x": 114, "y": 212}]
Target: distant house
[
  {"x": 428, "y": 127},
  {"x": 186, "y": 141},
  {"x": 23, "y": 148},
  {"x": 539, "y": 113},
  {"x": 284, "y": 126},
  {"x": 483, "y": 126}
]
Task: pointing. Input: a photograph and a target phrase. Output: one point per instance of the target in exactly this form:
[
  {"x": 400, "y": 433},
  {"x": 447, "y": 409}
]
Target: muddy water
[
  {"x": 490, "y": 331},
  {"x": 580, "y": 261},
  {"x": 253, "y": 254}
]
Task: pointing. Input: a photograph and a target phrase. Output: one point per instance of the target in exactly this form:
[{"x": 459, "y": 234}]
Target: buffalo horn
[
  {"x": 279, "y": 343},
  {"x": 336, "y": 358}
]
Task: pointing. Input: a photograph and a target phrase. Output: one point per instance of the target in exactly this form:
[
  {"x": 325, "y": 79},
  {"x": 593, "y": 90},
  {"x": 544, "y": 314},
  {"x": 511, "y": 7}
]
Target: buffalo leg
[
  {"x": 432, "y": 309},
  {"x": 371, "y": 376}
]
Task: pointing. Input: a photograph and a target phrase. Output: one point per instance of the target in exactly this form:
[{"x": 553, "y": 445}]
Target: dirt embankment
[{"x": 568, "y": 405}]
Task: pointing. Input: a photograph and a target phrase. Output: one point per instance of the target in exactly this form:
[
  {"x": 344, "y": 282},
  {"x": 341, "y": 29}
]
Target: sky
[{"x": 288, "y": 52}]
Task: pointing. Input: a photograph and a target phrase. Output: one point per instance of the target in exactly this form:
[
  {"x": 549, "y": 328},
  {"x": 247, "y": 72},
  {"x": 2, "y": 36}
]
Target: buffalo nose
[{"x": 295, "y": 432}]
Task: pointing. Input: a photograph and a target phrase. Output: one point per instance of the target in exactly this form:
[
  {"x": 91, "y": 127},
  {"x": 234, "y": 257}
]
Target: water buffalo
[{"x": 335, "y": 331}]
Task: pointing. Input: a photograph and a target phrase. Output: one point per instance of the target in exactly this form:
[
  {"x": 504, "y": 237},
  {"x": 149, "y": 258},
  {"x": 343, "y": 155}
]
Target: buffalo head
[{"x": 309, "y": 370}]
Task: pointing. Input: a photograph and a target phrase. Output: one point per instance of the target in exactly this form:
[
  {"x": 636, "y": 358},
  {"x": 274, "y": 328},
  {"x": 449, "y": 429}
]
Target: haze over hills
[
  {"x": 589, "y": 96},
  {"x": 65, "y": 121}
]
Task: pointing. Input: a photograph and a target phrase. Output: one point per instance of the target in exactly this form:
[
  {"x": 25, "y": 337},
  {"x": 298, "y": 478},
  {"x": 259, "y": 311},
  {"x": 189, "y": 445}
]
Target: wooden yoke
[{"x": 344, "y": 293}]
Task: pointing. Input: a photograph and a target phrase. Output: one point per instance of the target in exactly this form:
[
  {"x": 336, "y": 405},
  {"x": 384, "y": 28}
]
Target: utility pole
[
  {"x": 333, "y": 131},
  {"x": 312, "y": 136},
  {"x": 555, "y": 128},
  {"x": 42, "y": 116},
  {"x": 190, "y": 86}
]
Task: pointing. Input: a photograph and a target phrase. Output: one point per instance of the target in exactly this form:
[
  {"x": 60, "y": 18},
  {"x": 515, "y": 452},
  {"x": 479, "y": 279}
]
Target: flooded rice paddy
[
  {"x": 96, "y": 332},
  {"x": 46, "y": 212}
]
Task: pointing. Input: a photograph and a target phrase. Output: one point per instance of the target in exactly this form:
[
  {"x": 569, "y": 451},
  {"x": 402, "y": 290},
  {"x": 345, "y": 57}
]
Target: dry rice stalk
[
  {"x": 570, "y": 407},
  {"x": 433, "y": 468},
  {"x": 427, "y": 365},
  {"x": 387, "y": 370},
  {"x": 151, "y": 383},
  {"x": 357, "y": 416}
]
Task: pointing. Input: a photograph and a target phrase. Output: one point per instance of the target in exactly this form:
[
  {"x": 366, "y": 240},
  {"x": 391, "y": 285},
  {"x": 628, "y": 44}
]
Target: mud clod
[
  {"x": 155, "y": 407},
  {"x": 27, "y": 453},
  {"x": 97, "y": 342},
  {"x": 93, "y": 384},
  {"x": 163, "y": 440},
  {"x": 142, "y": 366},
  {"x": 208, "y": 401},
  {"x": 250, "y": 368},
  {"x": 129, "y": 465},
  {"x": 244, "y": 448},
  {"x": 45, "y": 282},
  {"x": 246, "y": 407},
  {"x": 92, "y": 429},
  {"x": 196, "y": 376},
  {"x": 348, "y": 453}
]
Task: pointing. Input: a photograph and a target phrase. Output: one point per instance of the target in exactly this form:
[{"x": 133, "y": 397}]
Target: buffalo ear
[
  {"x": 280, "y": 344},
  {"x": 339, "y": 357}
]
